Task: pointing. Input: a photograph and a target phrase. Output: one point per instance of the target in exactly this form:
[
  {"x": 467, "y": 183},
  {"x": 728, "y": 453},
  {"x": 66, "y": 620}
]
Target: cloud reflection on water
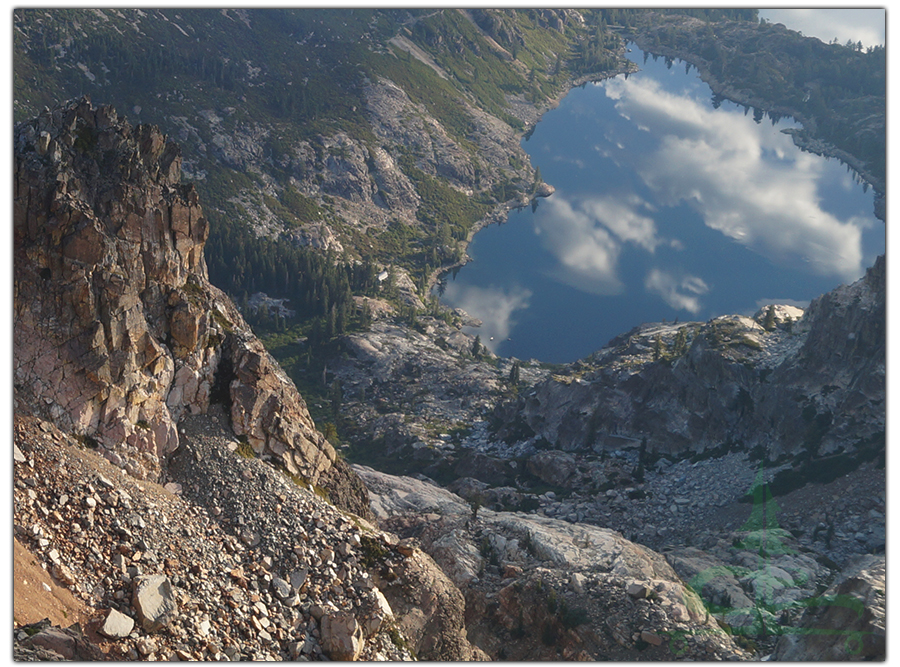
[
  {"x": 745, "y": 182},
  {"x": 494, "y": 306},
  {"x": 680, "y": 292},
  {"x": 586, "y": 236}
]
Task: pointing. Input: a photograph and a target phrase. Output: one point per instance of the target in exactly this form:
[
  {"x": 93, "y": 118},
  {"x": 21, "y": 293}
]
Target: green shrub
[
  {"x": 373, "y": 551},
  {"x": 550, "y": 634},
  {"x": 571, "y": 618},
  {"x": 552, "y": 601},
  {"x": 398, "y": 640},
  {"x": 244, "y": 449},
  {"x": 87, "y": 441}
]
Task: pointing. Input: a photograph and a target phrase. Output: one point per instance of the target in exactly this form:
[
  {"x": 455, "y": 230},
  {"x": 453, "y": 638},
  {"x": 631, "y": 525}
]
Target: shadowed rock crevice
[{"x": 220, "y": 393}]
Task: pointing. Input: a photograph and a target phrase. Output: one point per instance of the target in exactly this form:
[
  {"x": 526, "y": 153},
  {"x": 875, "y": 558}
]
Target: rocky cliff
[
  {"x": 118, "y": 333},
  {"x": 545, "y": 589},
  {"x": 813, "y": 384},
  {"x": 126, "y": 357}
]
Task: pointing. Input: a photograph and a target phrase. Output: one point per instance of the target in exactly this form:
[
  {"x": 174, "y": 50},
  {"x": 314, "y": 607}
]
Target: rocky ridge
[
  {"x": 793, "y": 392},
  {"x": 118, "y": 333},
  {"x": 815, "y": 383},
  {"x": 232, "y": 560},
  {"x": 542, "y": 589}
]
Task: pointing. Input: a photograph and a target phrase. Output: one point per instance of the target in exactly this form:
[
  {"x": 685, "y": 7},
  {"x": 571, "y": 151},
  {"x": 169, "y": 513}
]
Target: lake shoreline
[
  {"x": 804, "y": 139},
  {"x": 588, "y": 153},
  {"x": 532, "y": 116}
]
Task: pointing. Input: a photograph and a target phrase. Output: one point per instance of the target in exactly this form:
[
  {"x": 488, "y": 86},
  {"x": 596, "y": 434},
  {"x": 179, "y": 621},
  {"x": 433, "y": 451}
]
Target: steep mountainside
[
  {"x": 814, "y": 385},
  {"x": 344, "y": 130},
  {"x": 123, "y": 347},
  {"x": 621, "y": 507},
  {"x": 260, "y": 567},
  {"x": 117, "y": 331}
]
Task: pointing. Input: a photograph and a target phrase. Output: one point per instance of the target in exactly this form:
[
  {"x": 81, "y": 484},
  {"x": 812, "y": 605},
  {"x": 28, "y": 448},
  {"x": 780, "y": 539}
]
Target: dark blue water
[{"x": 665, "y": 208}]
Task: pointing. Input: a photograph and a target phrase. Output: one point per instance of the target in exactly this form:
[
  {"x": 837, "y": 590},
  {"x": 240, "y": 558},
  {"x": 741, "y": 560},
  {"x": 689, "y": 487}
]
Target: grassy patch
[
  {"x": 373, "y": 551},
  {"x": 244, "y": 449}
]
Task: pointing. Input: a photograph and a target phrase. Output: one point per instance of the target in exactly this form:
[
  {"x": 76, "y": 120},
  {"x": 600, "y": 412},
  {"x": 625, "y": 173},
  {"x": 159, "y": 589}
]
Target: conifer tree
[{"x": 769, "y": 323}]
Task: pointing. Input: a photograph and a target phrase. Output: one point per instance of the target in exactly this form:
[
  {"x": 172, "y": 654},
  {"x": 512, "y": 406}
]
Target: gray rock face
[
  {"x": 398, "y": 120},
  {"x": 555, "y": 468},
  {"x": 394, "y": 187},
  {"x": 154, "y": 601},
  {"x": 116, "y": 625},
  {"x": 391, "y": 495},
  {"x": 345, "y": 173},
  {"x": 847, "y": 623},
  {"x": 118, "y": 333},
  {"x": 518, "y": 573},
  {"x": 457, "y": 556},
  {"x": 815, "y": 383},
  {"x": 342, "y": 637}
]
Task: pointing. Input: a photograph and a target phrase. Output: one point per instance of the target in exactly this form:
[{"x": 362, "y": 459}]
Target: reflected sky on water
[{"x": 666, "y": 208}]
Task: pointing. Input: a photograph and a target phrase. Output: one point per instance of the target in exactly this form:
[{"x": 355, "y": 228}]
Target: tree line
[
  {"x": 318, "y": 286},
  {"x": 841, "y": 89}
]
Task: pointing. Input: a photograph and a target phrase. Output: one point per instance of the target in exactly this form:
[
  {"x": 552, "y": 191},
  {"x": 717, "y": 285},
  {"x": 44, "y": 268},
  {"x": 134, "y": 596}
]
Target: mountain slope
[
  {"x": 383, "y": 137},
  {"x": 324, "y": 126},
  {"x": 117, "y": 331},
  {"x": 801, "y": 388},
  {"x": 124, "y": 348}
]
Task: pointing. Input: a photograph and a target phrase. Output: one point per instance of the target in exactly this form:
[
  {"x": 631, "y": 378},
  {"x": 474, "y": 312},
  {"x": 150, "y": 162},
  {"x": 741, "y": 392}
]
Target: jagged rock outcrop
[
  {"x": 848, "y": 620},
  {"x": 118, "y": 333},
  {"x": 540, "y": 588},
  {"x": 816, "y": 384},
  {"x": 106, "y": 239}
]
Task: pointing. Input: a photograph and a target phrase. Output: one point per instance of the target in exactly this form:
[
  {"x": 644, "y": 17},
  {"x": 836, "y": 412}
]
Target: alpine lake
[{"x": 669, "y": 206}]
